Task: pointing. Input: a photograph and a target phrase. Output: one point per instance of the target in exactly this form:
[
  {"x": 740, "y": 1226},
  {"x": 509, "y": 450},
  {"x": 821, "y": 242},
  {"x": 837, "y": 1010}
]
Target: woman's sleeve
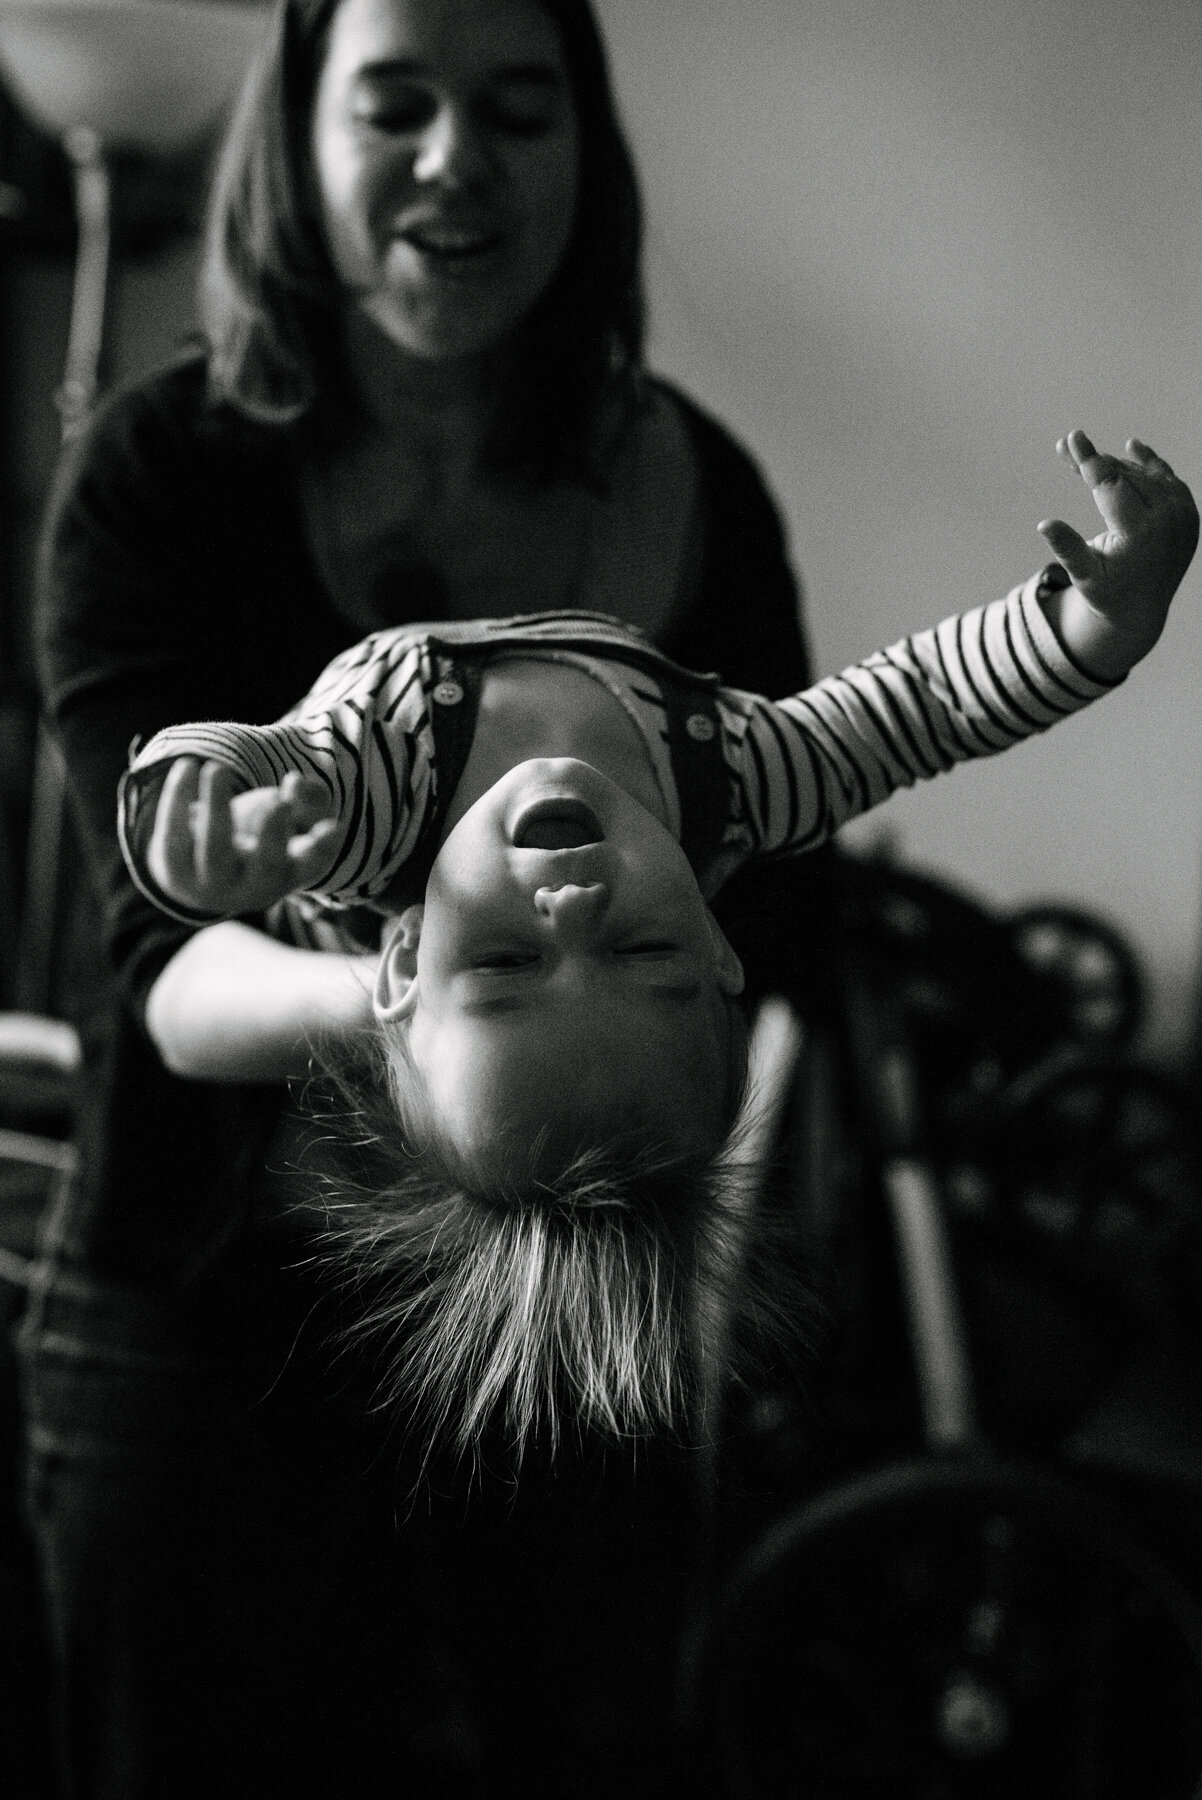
[
  {"x": 161, "y": 526},
  {"x": 747, "y": 620},
  {"x": 360, "y": 732},
  {"x": 109, "y": 656},
  {"x": 970, "y": 687}
]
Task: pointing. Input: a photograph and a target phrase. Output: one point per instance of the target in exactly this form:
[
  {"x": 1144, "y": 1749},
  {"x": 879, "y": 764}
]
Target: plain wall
[{"x": 903, "y": 246}]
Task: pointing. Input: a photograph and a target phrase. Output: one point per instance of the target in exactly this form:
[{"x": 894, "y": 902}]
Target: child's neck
[{"x": 532, "y": 708}]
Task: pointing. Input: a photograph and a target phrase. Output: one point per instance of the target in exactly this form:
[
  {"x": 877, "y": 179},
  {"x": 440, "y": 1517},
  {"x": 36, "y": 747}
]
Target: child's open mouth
[{"x": 556, "y": 824}]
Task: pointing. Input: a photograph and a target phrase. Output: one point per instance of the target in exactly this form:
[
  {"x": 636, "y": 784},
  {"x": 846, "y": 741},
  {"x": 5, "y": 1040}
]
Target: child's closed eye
[{"x": 523, "y": 959}]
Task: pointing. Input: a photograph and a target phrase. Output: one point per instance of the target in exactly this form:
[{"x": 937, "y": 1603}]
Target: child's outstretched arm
[
  {"x": 1124, "y": 579},
  {"x": 977, "y": 683},
  {"x": 215, "y": 850}
]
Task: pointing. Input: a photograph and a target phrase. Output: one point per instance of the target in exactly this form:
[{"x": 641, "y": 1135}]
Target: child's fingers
[
  {"x": 1121, "y": 490},
  {"x": 309, "y": 855},
  {"x": 170, "y": 854},
  {"x": 277, "y": 825},
  {"x": 1094, "y": 465},
  {"x": 217, "y": 860},
  {"x": 288, "y": 860},
  {"x": 219, "y": 846},
  {"x": 1143, "y": 469},
  {"x": 306, "y": 799},
  {"x": 1138, "y": 496},
  {"x": 1068, "y": 547},
  {"x": 1147, "y": 458},
  {"x": 1097, "y": 468},
  {"x": 1163, "y": 487}
]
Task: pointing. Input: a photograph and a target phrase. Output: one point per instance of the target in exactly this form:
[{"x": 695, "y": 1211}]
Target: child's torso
[{"x": 394, "y": 536}]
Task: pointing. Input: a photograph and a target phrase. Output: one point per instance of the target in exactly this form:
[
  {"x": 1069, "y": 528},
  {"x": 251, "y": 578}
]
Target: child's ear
[
  {"x": 396, "y": 980},
  {"x": 730, "y": 969}
]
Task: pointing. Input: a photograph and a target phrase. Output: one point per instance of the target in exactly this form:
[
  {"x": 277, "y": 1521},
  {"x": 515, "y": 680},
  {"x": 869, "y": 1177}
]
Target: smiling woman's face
[{"x": 445, "y": 149}]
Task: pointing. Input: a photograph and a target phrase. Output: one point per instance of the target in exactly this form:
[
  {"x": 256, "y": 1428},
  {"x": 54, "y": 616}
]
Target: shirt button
[
  {"x": 700, "y": 727},
  {"x": 448, "y": 693}
]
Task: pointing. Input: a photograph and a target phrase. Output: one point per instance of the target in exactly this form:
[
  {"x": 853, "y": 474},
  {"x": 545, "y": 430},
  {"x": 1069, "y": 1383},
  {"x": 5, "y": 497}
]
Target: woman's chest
[{"x": 397, "y": 538}]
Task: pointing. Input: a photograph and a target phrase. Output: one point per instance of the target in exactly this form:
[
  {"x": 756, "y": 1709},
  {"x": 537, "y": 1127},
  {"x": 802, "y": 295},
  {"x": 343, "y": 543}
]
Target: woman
[{"x": 421, "y": 394}]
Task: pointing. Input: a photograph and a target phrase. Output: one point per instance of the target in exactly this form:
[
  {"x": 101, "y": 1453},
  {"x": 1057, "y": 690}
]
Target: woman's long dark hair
[{"x": 269, "y": 296}]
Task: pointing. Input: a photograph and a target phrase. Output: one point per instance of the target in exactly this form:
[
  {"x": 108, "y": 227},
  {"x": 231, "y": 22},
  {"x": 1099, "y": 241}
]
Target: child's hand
[
  {"x": 223, "y": 852},
  {"x": 1123, "y": 579}
]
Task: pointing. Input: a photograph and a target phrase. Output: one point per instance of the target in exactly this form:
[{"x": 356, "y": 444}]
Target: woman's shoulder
[
  {"x": 736, "y": 505},
  {"x": 663, "y": 416},
  {"x": 161, "y": 416},
  {"x": 172, "y": 393},
  {"x": 745, "y": 613},
  {"x": 163, "y": 493},
  {"x": 718, "y": 452},
  {"x": 159, "y": 462}
]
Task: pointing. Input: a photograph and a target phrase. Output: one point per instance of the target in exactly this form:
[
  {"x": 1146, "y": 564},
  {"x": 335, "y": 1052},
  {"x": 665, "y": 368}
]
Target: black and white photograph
[{"x": 600, "y": 900}]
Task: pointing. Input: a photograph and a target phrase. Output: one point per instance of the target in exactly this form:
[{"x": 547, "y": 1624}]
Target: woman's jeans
[
  {"x": 249, "y": 1595},
  {"x": 221, "y": 1564}
]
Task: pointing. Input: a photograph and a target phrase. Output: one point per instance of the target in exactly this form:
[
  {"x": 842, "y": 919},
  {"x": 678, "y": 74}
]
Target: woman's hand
[
  {"x": 1125, "y": 578},
  {"x": 218, "y": 851}
]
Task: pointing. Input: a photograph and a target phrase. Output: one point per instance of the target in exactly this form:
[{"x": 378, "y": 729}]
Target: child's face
[{"x": 568, "y": 969}]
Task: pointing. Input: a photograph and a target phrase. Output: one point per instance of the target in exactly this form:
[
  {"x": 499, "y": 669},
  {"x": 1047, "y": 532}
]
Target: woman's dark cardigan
[{"x": 177, "y": 583}]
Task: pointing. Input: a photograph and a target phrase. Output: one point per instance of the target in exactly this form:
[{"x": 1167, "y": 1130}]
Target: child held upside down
[{"x": 545, "y": 805}]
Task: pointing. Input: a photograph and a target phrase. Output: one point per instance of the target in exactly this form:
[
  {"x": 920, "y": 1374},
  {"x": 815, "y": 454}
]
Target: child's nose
[{"x": 573, "y": 912}]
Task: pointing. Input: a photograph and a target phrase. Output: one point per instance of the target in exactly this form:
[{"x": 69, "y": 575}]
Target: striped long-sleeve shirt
[{"x": 797, "y": 768}]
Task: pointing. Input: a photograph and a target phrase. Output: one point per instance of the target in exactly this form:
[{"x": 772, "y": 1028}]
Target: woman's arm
[
  {"x": 234, "y": 1005},
  {"x": 174, "y": 583}
]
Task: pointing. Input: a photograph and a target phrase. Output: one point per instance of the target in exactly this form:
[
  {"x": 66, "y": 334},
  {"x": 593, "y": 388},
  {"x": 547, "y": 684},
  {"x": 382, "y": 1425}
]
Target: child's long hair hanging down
[{"x": 556, "y": 1295}]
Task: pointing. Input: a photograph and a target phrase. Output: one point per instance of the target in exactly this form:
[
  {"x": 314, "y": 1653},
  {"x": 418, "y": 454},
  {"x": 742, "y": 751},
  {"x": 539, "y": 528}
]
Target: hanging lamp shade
[{"x": 149, "y": 75}]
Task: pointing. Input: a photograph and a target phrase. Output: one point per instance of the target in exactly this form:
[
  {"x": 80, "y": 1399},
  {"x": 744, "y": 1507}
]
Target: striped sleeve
[
  {"x": 362, "y": 731},
  {"x": 972, "y": 686}
]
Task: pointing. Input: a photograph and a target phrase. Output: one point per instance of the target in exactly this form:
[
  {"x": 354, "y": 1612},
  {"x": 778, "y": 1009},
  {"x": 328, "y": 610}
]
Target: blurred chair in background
[{"x": 996, "y": 1589}]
